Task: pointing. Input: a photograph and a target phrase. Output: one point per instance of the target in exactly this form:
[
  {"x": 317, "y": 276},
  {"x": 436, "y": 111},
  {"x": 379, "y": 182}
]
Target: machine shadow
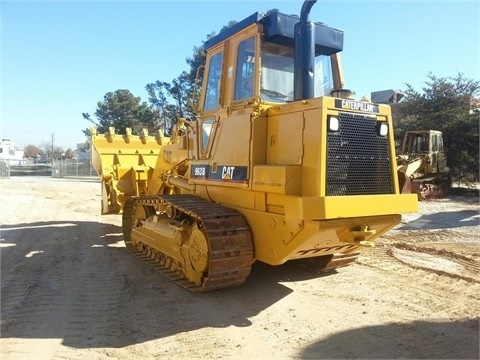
[
  {"x": 444, "y": 220},
  {"x": 415, "y": 340},
  {"x": 77, "y": 282}
]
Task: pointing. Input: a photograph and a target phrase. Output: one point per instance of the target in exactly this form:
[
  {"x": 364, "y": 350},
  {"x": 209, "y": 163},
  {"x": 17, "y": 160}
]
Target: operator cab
[
  {"x": 254, "y": 61},
  {"x": 422, "y": 142}
]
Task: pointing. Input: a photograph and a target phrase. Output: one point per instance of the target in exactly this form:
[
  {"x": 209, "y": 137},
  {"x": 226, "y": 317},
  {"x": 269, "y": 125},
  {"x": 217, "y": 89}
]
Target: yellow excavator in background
[
  {"x": 422, "y": 165},
  {"x": 281, "y": 162}
]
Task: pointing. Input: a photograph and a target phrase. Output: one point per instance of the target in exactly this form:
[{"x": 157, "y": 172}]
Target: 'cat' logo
[{"x": 227, "y": 172}]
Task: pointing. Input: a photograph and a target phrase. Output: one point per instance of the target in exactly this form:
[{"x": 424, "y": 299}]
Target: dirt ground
[{"x": 70, "y": 290}]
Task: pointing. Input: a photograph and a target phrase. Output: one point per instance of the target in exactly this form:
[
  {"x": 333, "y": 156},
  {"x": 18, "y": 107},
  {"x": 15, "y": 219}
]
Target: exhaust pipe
[{"x": 304, "y": 62}]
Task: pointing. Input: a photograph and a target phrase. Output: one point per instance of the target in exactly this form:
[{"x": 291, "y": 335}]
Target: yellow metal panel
[
  {"x": 313, "y": 144},
  {"x": 231, "y": 145},
  {"x": 233, "y": 197},
  {"x": 280, "y": 179},
  {"x": 277, "y": 239},
  {"x": 285, "y": 139},
  {"x": 333, "y": 207},
  {"x": 258, "y": 147}
]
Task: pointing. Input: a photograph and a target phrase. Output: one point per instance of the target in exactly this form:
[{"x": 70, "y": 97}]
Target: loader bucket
[
  {"x": 125, "y": 164},
  {"x": 404, "y": 182}
]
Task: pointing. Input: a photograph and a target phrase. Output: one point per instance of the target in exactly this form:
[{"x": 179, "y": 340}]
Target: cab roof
[{"x": 279, "y": 28}]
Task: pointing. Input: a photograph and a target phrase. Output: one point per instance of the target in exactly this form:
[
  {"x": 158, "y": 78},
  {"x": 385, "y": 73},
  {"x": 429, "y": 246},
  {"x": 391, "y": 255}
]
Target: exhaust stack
[{"x": 304, "y": 62}]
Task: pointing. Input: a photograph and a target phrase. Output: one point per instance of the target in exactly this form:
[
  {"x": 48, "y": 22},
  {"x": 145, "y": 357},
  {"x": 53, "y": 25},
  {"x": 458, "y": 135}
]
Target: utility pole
[{"x": 52, "y": 137}]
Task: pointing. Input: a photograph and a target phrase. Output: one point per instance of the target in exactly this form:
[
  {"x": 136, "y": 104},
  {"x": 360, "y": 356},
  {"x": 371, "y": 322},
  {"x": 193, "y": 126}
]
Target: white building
[{"x": 8, "y": 152}]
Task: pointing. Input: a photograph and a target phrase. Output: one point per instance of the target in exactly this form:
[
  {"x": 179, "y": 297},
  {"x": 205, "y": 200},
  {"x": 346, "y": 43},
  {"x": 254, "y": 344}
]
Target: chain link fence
[
  {"x": 4, "y": 169},
  {"x": 72, "y": 168},
  {"x": 56, "y": 169}
]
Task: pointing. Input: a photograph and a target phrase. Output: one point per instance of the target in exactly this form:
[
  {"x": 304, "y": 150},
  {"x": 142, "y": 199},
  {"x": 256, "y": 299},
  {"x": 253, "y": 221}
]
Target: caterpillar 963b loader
[
  {"x": 422, "y": 165},
  {"x": 281, "y": 163}
]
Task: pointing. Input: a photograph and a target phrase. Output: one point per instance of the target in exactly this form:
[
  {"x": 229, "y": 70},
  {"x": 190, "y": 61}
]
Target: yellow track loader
[
  {"x": 281, "y": 162},
  {"x": 422, "y": 165}
]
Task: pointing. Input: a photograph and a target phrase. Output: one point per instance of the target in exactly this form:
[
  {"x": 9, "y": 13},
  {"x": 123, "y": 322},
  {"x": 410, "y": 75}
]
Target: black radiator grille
[{"x": 358, "y": 161}]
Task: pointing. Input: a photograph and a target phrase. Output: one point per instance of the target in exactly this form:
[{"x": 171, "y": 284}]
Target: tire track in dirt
[
  {"x": 80, "y": 289},
  {"x": 441, "y": 262},
  {"x": 96, "y": 294},
  {"x": 59, "y": 281},
  {"x": 70, "y": 290},
  {"x": 463, "y": 291}
]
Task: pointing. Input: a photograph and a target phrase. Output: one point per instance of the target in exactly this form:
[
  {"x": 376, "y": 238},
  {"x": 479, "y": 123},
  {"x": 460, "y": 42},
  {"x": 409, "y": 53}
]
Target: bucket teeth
[
  {"x": 111, "y": 134},
  {"x": 128, "y": 135},
  {"x": 144, "y": 136}
]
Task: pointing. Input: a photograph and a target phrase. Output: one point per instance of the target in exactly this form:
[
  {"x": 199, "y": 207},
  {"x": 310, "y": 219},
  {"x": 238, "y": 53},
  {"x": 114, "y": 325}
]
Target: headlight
[
  {"x": 333, "y": 123},
  {"x": 382, "y": 129}
]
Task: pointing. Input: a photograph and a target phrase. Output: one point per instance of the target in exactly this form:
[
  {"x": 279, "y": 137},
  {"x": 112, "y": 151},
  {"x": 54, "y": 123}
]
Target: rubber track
[{"x": 230, "y": 241}]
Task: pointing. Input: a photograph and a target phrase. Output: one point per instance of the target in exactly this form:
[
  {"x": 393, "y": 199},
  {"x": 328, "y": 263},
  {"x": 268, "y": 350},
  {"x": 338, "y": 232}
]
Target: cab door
[
  {"x": 211, "y": 107},
  {"x": 223, "y": 128},
  {"x": 441, "y": 158}
]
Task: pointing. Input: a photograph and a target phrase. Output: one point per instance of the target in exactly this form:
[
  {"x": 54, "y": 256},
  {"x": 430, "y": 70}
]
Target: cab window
[
  {"x": 418, "y": 143},
  {"x": 440, "y": 143},
  {"x": 245, "y": 74},
  {"x": 212, "y": 94},
  {"x": 277, "y": 74},
  {"x": 434, "y": 143},
  {"x": 206, "y": 132}
]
